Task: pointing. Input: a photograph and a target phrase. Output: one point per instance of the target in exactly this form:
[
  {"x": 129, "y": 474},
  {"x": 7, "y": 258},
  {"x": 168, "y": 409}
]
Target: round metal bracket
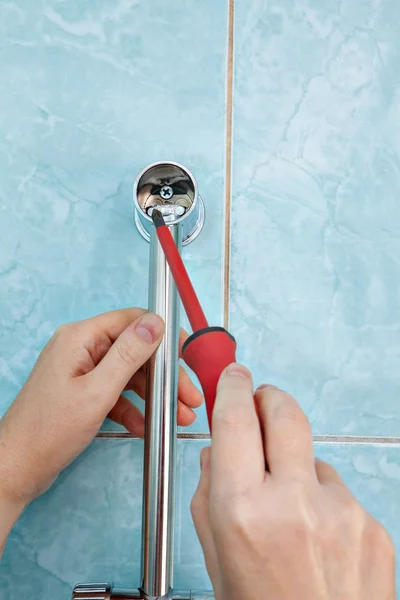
[{"x": 171, "y": 188}]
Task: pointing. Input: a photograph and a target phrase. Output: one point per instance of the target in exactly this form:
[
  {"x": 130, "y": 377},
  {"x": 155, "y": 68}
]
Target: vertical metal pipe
[{"x": 160, "y": 439}]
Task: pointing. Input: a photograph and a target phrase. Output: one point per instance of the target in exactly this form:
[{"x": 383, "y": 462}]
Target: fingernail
[
  {"x": 149, "y": 328},
  {"x": 235, "y": 370},
  {"x": 266, "y": 386}
]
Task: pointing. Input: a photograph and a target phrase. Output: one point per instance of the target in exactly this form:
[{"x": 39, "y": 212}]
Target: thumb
[{"x": 134, "y": 346}]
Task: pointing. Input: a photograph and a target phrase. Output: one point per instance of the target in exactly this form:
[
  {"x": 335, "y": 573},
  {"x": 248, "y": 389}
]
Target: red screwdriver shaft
[{"x": 186, "y": 291}]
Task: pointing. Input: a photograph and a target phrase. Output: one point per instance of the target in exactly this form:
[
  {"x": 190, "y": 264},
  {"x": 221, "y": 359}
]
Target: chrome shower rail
[
  {"x": 160, "y": 427},
  {"x": 173, "y": 189}
]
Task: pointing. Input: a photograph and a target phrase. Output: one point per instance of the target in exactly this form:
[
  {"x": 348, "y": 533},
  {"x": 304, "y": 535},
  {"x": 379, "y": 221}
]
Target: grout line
[
  {"x": 228, "y": 159},
  {"x": 357, "y": 439},
  {"x": 318, "y": 439}
]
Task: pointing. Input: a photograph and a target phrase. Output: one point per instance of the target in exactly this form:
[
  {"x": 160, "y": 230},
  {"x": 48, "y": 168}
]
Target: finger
[
  {"x": 185, "y": 415},
  {"x": 183, "y": 336},
  {"x": 138, "y": 384},
  {"x": 92, "y": 338},
  {"x": 200, "y": 512},
  {"x": 327, "y": 475},
  {"x": 238, "y": 460},
  {"x": 187, "y": 391},
  {"x": 129, "y": 352},
  {"x": 114, "y": 322},
  {"x": 128, "y": 415},
  {"x": 287, "y": 433}
]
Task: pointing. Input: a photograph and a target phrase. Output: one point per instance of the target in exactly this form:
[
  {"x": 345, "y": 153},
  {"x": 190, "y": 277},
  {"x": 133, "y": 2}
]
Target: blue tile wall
[
  {"x": 315, "y": 236},
  {"x": 88, "y": 526},
  {"x": 93, "y": 92}
]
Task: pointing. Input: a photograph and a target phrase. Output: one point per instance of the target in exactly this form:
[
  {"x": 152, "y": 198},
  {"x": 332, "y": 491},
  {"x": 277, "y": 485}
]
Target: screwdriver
[{"x": 209, "y": 350}]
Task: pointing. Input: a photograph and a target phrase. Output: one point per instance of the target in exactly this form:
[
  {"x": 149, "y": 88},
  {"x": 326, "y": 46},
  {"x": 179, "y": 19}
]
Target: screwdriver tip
[{"x": 157, "y": 217}]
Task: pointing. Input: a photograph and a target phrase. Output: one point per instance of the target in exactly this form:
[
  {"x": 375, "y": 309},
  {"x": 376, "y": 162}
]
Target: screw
[{"x": 166, "y": 192}]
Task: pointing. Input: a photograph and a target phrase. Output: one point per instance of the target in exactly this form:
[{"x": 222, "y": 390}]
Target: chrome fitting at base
[
  {"x": 92, "y": 591},
  {"x": 106, "y": 591}
]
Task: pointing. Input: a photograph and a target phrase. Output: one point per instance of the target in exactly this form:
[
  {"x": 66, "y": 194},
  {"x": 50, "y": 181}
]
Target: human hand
[
  {"x": 294, "y": 531},
  {"x": 77, "y": 381}
]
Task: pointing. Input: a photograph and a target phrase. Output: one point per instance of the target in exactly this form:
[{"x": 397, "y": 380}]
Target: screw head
[{"x": 166, "y": 192}]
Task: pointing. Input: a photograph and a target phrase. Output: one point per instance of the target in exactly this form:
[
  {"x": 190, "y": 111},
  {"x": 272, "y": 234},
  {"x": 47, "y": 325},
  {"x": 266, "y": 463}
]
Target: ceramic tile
[
  {"x": 371, "y": 472},
  {"x": 315, "y": 247},
  {"x": 87, "y": 527},
  {"x": 92, "y": 93},
  {"x": 373, "y": 475}
]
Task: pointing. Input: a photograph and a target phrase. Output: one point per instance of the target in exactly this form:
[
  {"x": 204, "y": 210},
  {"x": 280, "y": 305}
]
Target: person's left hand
[{"x": 76, "y": 383}]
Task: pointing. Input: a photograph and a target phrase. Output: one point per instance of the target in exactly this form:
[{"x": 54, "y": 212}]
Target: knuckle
[
  {"x": 350, "y": 508},
  {"x": 242, "y": 519},
  {"x": 292, "y": 414},
  {"x": 352, "y": 515},
  {"x": 198, "y": 508},
  {"x": 293, "y": 444},
  {"x": 126, "y": 352},
  {"x": 62, "y": 330},
  {"x": 301, "y": 520},
  {"x": 238, "y": 517},
  {"x": 298, "y": 530},
  {"x": 380, "y": 539},
  {"x": 326, "y": 471},
  {"x": 195, "y": 506},
  {"x": 286, "y": 410},
  {"x": 63, "y": 334},
  {"x": 231, "y": 417}
]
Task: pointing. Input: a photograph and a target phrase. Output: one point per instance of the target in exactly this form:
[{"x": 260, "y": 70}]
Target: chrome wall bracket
[{"x": 172, "y": 188}]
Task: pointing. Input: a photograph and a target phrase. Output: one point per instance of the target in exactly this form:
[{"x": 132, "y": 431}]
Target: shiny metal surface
[
  {"x": 91, "y": 591},
  {"x": 103, "y": 591},
  {"x": 173, "y": 189},
  {"x": 160, "y": 438}
]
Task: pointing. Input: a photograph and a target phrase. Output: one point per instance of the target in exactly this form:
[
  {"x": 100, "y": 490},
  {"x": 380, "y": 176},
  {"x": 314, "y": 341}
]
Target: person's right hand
[{"x": 294, "y": 531}]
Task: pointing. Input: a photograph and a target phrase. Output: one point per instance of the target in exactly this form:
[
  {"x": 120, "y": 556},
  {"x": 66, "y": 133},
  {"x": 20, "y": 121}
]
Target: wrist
[
  {"x": 11, "y": 509},
  {"x": 12, "y": 503}
]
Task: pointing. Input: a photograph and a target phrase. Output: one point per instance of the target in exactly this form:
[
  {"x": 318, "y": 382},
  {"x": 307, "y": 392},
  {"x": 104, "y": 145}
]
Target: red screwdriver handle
[{"x": 208, "y": 352}]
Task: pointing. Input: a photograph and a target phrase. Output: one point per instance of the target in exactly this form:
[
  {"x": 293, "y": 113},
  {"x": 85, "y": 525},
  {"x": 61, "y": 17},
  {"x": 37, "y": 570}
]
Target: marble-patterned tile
[
  {"x": 315, "y": 278},
  {"x": 87, "y": 527},
  {"x": 372, "y": 473},
  {"x": 92, "y": 93}
]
